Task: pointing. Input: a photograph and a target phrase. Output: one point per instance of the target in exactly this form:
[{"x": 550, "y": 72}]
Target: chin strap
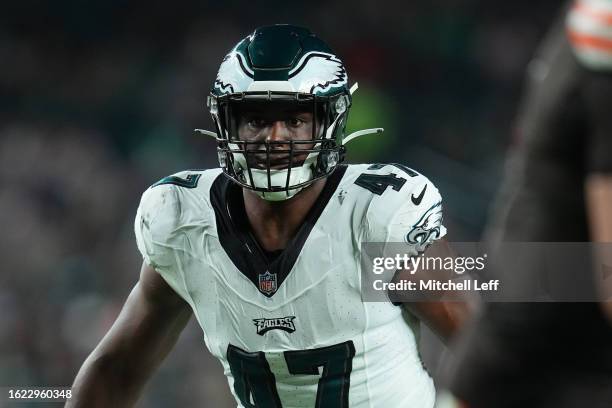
[
  {"x": 206, "y": 133},
  {"x": 359, "y": 133}
]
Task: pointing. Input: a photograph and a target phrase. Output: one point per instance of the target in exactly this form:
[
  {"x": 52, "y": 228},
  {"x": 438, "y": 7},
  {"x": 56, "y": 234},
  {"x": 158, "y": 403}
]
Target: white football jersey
[{"x": 293, "y": 331}]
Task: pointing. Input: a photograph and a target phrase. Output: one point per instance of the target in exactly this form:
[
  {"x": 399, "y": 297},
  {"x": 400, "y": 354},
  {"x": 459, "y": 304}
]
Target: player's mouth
[{"x": 278, "y": 161}]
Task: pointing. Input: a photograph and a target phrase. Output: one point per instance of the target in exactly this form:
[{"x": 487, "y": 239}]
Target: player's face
[{"x": 277, "y": 126}]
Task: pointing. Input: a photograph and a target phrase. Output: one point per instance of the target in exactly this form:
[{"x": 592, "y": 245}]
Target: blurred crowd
[{"x": 99, "y": 100}]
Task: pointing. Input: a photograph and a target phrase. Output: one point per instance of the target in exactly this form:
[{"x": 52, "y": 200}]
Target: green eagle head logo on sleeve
[{"x": 426, "y": 229}]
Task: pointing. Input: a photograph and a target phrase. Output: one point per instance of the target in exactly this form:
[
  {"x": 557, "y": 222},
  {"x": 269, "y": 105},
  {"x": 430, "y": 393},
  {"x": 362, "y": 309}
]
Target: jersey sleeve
[
  {"x": 156, "y": 221},
  {"x": 412, "y": 215}
]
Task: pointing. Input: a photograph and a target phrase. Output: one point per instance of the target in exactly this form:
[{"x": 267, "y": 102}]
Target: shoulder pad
[
  {"x": 156, "y": 218},
  {"x": 589, "y": 29},
  {"x": 159, "y": 208},
  {"x": 412, "y": 214}
]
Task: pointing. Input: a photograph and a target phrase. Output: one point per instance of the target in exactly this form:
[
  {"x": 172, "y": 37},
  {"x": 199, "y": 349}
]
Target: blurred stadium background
[{"x": 99, "y": 100}]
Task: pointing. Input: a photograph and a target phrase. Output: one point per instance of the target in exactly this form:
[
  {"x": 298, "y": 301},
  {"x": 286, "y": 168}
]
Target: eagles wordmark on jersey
[{"x": 308, "y": 340}]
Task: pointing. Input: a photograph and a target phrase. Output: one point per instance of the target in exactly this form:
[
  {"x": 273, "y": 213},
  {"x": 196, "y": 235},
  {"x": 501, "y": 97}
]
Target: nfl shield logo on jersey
[{"x": 267, "y": 283}]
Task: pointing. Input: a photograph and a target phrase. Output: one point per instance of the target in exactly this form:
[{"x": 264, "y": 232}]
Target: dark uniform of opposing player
[{"x": 551, "y": 354}]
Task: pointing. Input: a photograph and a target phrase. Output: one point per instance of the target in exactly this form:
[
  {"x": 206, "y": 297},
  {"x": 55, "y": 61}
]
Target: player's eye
[
  {"x": 257, "y": 123},
  {"x": 295, "y": 122}
]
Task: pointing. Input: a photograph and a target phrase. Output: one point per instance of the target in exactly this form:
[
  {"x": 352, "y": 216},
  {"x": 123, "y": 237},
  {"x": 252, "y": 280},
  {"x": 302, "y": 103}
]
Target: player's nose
[{"x": 278, "y": 132}]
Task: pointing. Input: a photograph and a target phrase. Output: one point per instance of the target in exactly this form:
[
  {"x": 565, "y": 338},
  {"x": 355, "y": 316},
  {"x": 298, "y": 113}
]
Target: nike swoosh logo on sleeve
[{"x": 417, "y": 200}]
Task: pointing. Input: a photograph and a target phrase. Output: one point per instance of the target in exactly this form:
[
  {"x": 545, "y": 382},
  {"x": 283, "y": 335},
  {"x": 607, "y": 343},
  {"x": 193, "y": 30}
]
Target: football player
[
  {"x": 265, "y": 250},
  {"x": 558, "y": 189}
]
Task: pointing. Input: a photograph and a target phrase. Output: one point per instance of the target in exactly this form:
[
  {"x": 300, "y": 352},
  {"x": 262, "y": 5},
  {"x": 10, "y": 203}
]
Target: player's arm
[
  {"x": 597, "y": 93},
  {"x": 412, "y": 217},
  {"x": 145, "y": 331},
  {"x": 445, "y": 318},
  {"x": 599, "y": 205},
  {"x": 599, "y": 208},
  {"x": 587, "y": 32}
]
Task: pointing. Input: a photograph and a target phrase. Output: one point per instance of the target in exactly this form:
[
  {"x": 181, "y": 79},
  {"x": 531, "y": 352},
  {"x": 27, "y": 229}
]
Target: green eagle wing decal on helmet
[
  {"x": 318, "y": 73},
  {"x": 269, "y": 59}
]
